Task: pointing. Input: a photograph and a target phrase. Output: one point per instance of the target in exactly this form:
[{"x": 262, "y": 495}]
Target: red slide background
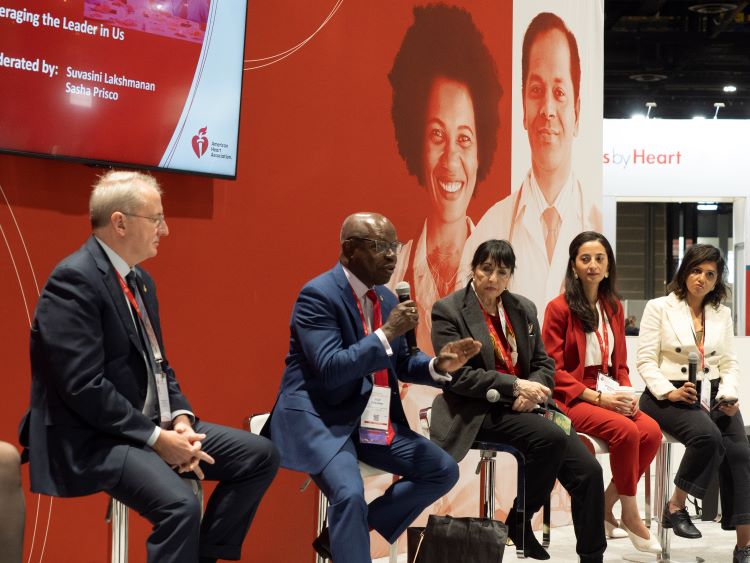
[
  {"x": 316, "y": 143},
  {"x": 137, "y": 127}
]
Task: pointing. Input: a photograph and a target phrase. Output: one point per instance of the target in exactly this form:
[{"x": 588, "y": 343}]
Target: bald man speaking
[{"x": 339, "y": 399}]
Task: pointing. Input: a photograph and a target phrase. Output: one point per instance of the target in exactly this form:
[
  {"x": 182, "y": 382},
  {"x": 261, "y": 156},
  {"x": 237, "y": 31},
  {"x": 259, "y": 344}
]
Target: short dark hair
[
  {"x": 499, "y": 251},
  {"x": 696, "y": 255},
  {"x": 443, "y": 41},
  {"x": 542, "y": 23},
  {"x": 574, "y": 295}
]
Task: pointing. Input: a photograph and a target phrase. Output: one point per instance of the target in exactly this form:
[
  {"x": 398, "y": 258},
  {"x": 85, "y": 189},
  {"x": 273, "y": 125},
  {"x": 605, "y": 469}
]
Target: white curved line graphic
[
  {"x": 28, "y": 316},
  {"x": 278, "y": 57}
]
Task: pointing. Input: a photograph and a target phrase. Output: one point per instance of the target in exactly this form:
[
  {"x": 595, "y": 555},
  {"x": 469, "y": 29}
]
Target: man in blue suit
[
  {"x": 331, "y": 403},
  {"x": 107, "y": 413}
]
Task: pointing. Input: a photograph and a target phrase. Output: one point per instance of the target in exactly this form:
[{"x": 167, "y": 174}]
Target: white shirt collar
[
  {"x": 561, "y": 201},
  {"x": 119, "y": 264},
  {"x": 357, "y": 285}
]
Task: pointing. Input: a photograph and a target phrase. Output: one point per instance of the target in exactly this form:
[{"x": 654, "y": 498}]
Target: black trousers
[
  {"x": 712, "y": 442},
  {"x": 245, "y": 466},
  {"x": 551, "y": 454}
]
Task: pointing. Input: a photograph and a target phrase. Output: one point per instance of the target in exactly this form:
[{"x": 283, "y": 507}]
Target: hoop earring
[{"x": 606, "y": 274}]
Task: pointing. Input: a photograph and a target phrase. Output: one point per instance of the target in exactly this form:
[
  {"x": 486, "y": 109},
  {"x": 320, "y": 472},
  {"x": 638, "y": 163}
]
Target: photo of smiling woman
[{"x": 445, "y": 115}]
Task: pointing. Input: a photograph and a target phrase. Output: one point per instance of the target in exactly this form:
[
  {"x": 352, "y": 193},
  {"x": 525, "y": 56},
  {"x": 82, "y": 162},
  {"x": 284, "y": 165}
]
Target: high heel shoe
[
  {"x": 614, "y": 532},
  {"x": 647, "y": 545}
]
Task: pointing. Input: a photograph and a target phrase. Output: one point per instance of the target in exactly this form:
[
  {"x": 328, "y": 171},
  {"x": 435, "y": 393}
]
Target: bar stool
[
  {"x": 255, "y": 424},
  {"x": 486, "y": 471},
  {"x": 661, "y": 495}
]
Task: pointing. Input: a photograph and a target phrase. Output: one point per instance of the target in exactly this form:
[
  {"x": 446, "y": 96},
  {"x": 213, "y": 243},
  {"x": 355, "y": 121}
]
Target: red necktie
[{"x": 381, "y": 376}]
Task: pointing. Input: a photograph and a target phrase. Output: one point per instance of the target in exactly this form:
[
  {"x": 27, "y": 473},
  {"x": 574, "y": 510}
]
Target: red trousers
[{"x": 633, "y": 442}]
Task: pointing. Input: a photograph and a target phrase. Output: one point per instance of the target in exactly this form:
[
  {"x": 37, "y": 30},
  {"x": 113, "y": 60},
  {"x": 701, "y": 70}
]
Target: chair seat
[{"x": 595, "y": 445}]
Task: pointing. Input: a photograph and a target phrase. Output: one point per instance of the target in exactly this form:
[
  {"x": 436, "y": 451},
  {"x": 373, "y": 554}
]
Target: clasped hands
[
  {"x": 625, "y": 404},
  {"x": 531, "y": 394},
  {"x": 181, "y": 447}
]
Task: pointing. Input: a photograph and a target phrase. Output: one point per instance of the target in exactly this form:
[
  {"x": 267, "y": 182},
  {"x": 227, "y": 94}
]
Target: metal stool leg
[
  {"x": 647, "y": 487},
  {"x": 487, "y": 484},
  {"x": 546, "y": 528},
  {"x": 322, "y": 514},
  {"x": 119, "y": 523}
]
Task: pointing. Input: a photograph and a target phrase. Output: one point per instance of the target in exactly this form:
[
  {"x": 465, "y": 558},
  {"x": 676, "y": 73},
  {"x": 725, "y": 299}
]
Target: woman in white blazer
[{"x": 703, "y": 416}]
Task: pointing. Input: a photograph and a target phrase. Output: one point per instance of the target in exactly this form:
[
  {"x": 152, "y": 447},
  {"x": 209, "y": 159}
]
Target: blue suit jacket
[
  {"x": 89, "y": 381},
  {"x": 327, "y": 380}
]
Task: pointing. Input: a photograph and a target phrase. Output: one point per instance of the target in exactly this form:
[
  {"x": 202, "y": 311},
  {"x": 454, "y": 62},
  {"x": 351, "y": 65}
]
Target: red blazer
[{"x": 565, "y": 342}]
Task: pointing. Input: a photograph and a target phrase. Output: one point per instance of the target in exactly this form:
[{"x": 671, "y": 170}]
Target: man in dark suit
[
  {"x": 107, "y": 413},
  {"x": 343, "y": 365}
]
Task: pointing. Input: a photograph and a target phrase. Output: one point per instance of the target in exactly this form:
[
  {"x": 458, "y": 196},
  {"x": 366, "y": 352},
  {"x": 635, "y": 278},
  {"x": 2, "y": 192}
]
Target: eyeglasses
[
  {"x": 382, "y": 246},
  {"x": 158, "y": 221}
]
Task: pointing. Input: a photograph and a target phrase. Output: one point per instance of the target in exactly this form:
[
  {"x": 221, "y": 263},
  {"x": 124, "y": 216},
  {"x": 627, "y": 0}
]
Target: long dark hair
[
  {"x": 696, "y": 255},
  {"x": 574, "y": 294}
]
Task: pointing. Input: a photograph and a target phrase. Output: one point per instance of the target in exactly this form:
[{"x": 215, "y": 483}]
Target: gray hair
[{"x": 118, "y": 190}]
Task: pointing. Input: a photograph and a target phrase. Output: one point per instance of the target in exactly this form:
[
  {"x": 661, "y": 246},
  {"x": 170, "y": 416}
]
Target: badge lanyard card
[
  {"x": 374, "y": 426},
  {"x": 155, "y": 356}
]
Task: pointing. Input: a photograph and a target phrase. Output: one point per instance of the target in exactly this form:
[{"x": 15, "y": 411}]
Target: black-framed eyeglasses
[
  {"x": 382, "y": 246},
  {"x": 157, "y": 220}
]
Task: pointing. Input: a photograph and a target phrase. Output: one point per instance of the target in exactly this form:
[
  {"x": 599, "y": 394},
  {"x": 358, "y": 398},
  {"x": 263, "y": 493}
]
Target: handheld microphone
[
  {"x": 692, "y": 367},
  {"x": 404, "y": 294}
]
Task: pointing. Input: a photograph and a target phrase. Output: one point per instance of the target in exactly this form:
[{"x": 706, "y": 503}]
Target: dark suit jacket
[
  {"x": 458, "y": 413},
  {"x": 327, "y": 380},
  {"x": 565, "y": 341},
  {"x": 88, "y": 377}
]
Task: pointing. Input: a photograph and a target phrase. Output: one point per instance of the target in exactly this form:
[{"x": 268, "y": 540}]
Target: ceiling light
[
  {"x": 718, "y": 106},
  {"x": 699, "y": 117},
  {"x": 712, "y": 8},
  {"x": 730, "y": 88},
  {"x": 637, "y": 116},
  {"x": 707, "y": 206},
  {"x": 647, "y": 77}
]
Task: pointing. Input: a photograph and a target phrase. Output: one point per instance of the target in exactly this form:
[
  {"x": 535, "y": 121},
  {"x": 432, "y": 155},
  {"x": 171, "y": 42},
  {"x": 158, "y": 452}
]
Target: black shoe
[
  {"x": 595, "y": 559},
  {"x": 680, "y": 522},
  {"x": 531, "y": 546},
  {"x": 322, "y": 544},
  {"x": 741, "y": 554}
]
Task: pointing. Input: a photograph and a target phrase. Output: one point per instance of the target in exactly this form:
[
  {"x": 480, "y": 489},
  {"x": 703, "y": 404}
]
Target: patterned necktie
[
  {"x": 381, "y": 376},
  {"x": 150, "y": 405},
  {"x": 552, "y": 219}
]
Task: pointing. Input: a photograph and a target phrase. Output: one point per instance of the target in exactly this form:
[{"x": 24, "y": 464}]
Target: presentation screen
[{"x": 146, "y": 83}]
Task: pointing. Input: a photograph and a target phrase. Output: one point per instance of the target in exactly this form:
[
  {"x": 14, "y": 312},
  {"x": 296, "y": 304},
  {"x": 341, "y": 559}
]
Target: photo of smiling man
[{"x": 559, "y": 194}]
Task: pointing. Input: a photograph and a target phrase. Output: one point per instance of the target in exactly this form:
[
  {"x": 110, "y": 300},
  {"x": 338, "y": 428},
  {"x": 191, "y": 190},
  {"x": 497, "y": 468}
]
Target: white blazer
[{"x": 666, "y": 338}]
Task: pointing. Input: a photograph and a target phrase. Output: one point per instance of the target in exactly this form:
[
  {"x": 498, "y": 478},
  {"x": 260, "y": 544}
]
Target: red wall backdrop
[{"x": 316, "y": 143}]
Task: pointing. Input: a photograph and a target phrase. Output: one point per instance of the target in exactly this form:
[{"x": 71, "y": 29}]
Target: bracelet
[{"x": 598, "y": 402}]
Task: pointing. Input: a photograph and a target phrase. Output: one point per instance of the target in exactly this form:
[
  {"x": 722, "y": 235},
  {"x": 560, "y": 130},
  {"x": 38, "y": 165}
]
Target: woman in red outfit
[{"x": 584, "y": 332}]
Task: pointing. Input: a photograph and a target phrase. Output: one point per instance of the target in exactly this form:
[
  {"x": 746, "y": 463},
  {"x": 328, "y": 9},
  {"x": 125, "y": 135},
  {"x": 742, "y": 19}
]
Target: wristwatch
[{"x": 516, "y": 389}]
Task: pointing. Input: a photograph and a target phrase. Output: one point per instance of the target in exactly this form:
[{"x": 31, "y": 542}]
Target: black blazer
[
  {"x": 88, "y": 375},
  {"x": 457, "y": 414}
]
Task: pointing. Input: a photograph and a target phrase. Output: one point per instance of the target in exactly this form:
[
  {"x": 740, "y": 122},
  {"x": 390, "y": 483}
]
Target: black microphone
[
  {"x": 692, "y": 367},
  {"x": 404, "y": 294}
]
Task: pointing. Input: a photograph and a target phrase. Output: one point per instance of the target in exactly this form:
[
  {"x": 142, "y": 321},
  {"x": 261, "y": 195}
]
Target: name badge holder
[
  {"x": 156, "y": 360},
  {"x": 373, "y": 427},
  {"x": 706, "y": 393},
  {"x": 604, "y": 382}
]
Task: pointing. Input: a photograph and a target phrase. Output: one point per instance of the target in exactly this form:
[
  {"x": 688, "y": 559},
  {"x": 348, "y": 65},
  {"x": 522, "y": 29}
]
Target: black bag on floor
[{"x": 448, "y": 540}]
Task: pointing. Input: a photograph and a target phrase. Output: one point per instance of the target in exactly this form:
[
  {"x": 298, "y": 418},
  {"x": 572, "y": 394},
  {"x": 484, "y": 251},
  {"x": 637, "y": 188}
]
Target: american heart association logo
[{"x": 200, "y": 142}]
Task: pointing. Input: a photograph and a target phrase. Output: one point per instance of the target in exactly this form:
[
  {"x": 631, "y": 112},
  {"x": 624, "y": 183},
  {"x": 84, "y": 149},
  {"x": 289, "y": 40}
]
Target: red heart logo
[{"x": 200, "y": 142}]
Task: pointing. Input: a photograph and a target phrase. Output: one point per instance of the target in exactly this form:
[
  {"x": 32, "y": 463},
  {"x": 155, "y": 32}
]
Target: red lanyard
[
  {"x": 700, "y": 345},
  {"x": 361, "y": 312},
  {"x": 603, "y": 345},
  {"x": 129, "y": 295},
  {"x": 499, "y": 342}
]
